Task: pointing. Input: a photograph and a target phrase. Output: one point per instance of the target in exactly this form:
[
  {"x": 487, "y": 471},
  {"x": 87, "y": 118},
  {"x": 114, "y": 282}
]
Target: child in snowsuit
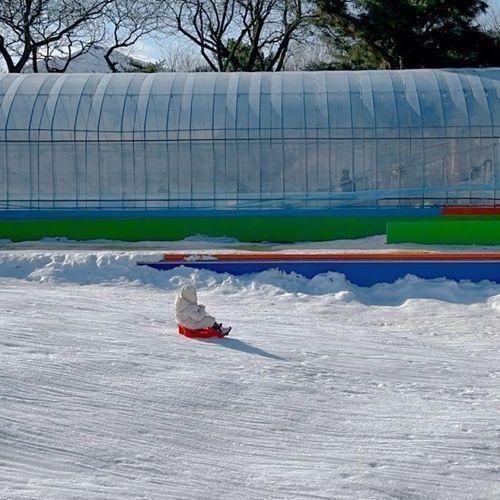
[{"x": 192, "y": 315}]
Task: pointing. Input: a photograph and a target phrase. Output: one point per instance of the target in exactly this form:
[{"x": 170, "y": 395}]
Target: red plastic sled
[{"x": 204, "y": 333}]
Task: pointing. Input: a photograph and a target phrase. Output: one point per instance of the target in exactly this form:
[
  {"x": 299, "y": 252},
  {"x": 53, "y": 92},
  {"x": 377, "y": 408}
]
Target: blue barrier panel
[
  {"x": 60, "y": 213},
  {"x": 361, "y": 273}
]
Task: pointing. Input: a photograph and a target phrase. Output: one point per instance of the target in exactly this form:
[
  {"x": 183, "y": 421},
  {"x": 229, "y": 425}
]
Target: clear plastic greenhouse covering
[{"x": 249, "y": 140}]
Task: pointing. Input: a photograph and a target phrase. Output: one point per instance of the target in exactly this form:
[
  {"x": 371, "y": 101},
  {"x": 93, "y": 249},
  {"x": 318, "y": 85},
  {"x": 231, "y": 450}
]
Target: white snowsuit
[{"x": 189, "y": 313}]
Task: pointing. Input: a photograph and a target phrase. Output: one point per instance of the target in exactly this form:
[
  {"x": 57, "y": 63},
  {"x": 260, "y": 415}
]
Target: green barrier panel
[
  {"x": 446, "y": 231},
  {"x": 282, "y": 229}
]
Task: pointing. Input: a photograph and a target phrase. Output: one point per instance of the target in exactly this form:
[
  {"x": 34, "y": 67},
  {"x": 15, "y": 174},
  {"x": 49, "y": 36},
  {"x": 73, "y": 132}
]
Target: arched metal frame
[{"x": 250, "y": 140}]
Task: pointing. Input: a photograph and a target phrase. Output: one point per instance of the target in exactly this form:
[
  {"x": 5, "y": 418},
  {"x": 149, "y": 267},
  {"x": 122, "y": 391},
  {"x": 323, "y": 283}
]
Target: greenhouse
[{"x": 226, "y": 142}]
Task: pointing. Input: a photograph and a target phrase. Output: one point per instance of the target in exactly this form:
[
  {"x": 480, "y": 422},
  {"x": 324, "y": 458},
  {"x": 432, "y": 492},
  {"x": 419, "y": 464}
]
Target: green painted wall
[
  {"x": 446, "y": 231},
  {"x": 249, "y": 228}
]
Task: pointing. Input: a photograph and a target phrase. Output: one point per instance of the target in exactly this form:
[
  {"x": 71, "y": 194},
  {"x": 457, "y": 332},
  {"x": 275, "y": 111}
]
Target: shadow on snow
[{"x": 239, "y": 345}]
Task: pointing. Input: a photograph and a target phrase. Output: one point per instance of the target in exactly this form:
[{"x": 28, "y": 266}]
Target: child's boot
[{"x": 225, "y": 330}]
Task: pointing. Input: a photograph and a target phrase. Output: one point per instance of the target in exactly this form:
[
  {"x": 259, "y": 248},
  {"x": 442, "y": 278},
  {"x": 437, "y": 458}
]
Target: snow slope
[{"x": 324, "y": 390}]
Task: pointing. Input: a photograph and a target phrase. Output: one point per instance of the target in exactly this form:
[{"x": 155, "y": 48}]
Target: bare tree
[
  {"x": 182, "y": 59},
  {"x": 28, "y": 27},
  {"x": 127, "y": 21},
  {"x": 309, "y": 52},
  {"x": 241, "y": 35},
  {"x": 59, "y": 55},
  {"x": 177, "y": 60},
  {"x": 491, "y": 21}
]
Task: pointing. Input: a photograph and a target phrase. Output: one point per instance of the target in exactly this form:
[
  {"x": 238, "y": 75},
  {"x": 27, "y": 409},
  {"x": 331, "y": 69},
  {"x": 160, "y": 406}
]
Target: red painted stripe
[
  {"x": 471, "y": 210},
  {"x": 341, "y": 256}
]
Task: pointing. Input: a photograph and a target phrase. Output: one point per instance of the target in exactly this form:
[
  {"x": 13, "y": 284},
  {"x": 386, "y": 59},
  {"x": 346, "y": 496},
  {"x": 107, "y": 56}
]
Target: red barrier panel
[
  {"x": 400, "y": 255},
  {"x": 471, "y": 211}
]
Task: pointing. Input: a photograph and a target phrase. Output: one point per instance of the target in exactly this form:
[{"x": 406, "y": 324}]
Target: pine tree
[{"x": 400, "y": 34}]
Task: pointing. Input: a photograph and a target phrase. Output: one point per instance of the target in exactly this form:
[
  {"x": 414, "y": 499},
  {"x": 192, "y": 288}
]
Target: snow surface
[{"x": 323, "y": 390}]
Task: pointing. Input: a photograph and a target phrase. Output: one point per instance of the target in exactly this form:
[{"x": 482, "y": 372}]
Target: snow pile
[{"x": 88, "y": 268}]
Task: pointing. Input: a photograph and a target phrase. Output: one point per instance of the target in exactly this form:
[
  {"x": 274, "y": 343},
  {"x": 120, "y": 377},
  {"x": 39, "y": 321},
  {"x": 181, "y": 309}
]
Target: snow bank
[{"x": 105, "y": 267}]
